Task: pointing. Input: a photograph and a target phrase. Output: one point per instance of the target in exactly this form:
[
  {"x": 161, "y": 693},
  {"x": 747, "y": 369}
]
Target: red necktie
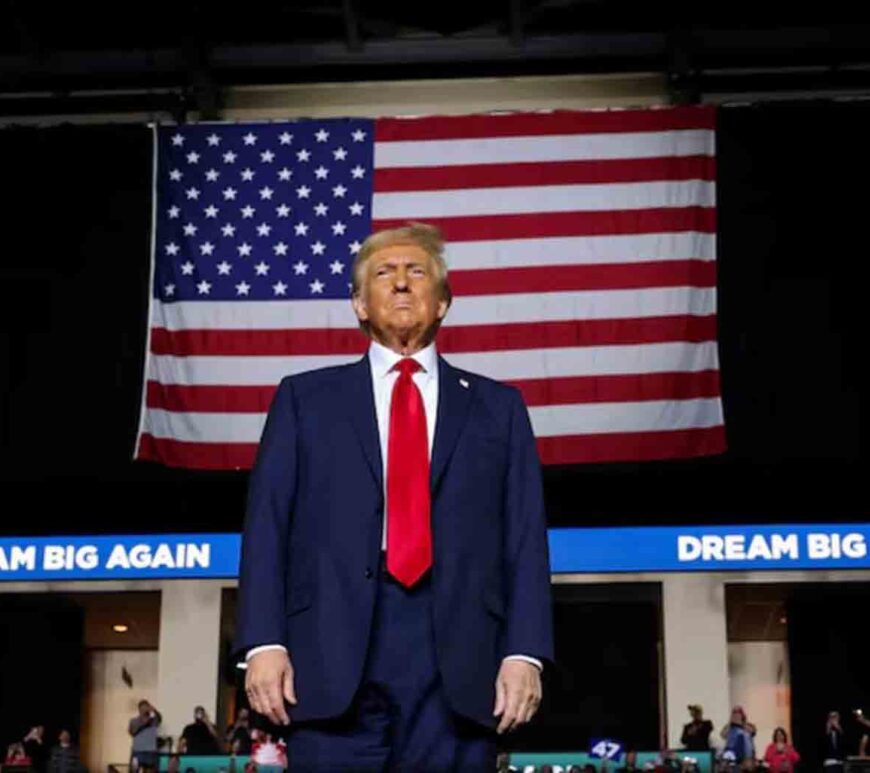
[{"x": 409, "y": 534}]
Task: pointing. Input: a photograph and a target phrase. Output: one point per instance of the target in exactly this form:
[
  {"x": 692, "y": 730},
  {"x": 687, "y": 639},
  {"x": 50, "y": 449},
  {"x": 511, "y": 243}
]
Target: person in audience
[
  {"x": 143, "y": 728},
  {"x": 696, "y": 734},
  {"x": 34, "y": 745},
  {"x": 173, "y": 765},
  {"x": 780, "y": 755},
  {"x": 65, "y": 757},
  {"x": 630, "y": 763},
  {"x": 833, "y": 746},
  {"x": 239, "y": 733},
  {"x": 738, "y": 735},
  {"x": 200, "y": 736},
  {"x": 266, "y": 751},
  {"x": 16, "y": 755}
]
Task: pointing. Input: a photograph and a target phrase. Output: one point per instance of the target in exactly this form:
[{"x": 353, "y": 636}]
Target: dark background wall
[{"x": 73, "y": 278}]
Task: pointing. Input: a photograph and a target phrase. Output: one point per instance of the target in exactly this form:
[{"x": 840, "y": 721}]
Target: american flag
[{"x": 581, "y": 248}]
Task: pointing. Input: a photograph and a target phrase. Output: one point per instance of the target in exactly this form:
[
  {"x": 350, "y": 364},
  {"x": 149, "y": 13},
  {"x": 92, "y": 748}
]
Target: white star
[
  {"x": 213, "y": 140},
  {"x": 172, "y": 249},
  {"x": 303, "y": 155},
  {"x": 301, "y": 229},
  {"x": 248, "y": 211},
  {"x": 285, "y": 174},
  {"x": 339, "y": 154},
  {"x": 229, "y": 157},
  {"x": 244, "y": 250},
  {"x": 354, "y": 247},
  {"x": 266, "y": 193},
  {"x": 175, "y": 175},
  {"x": 211, "y": 175},
  {"x": 300, "y": 268},
  {"x": 303, "y": 191},
  {"x": 279, "y": 288},
  {"x": 321, "y": 173},
  {"x": 230, "y": 194},
  {"x": 356, "y": 208},
  {"x": 228, "y": 230},
  {"x": 224, "y": 268},
  {"x": 317, "y": 248},
  {"x": 316, "y": 287},
  {"x": 338, "y": 191},
  {"x": 169, "y": 290},
  {"x": 321, "y": 209},
  {"x": 338, "y": 228},
  {"x": 190, "y": 229},
  {"x": 206, "y": 248},
  {"x": 203, "y": 288},
  {"x": 187, "y": 268},
  {"x": 264, "y": 229},
  {"x": 267, "y": 156},
  {"x": 247, "y": 174},
  {"x": 280, "y": 248},
  {"x": 336, "y": 267},
  {"x": 173, "y": 212},
  {"x": 359, "y": 135},
  {"x": 192, "y": 193},
  {"x": 262, "y": 268},
  {"x": 243, "y": 288},
  {"x": 250, "y": 138},
  {"x": 177, "y": 140},
  {"x": 286, "y": 138},
  {"x": 282, "y": 211},
  {"x": 357, "y": 172},
  {"x": 193, "y": 157},
  {"x": 322, "y": 135},
  {"x": 211, "y": 211}
]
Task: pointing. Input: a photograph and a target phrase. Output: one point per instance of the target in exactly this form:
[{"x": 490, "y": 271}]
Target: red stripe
[
  {"x": 209, "y": 399},
  {"x": 432, "y": 178},
  {"x": 197, "y": 456},
  {"x": 632, "y": 446},
  {"x": 606, "y": 223},
  {"x": 600, "y": 276},
  {"x": 462, "y": 338},
  {"x": 540, "y": 124},
  {"x": 615, "y": 389}
]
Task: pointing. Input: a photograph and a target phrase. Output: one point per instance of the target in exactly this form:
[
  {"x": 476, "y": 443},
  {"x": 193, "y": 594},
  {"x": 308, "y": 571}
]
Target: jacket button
[{"x": 369, "y": 574}]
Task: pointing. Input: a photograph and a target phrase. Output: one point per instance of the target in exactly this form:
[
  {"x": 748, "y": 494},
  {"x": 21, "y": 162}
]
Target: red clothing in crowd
[{"x": 781, "y": 760}]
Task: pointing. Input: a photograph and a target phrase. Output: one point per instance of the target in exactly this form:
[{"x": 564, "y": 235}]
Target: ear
[
  {"x": 359, "y": 307},
  {"x": 443, "y": 305}
]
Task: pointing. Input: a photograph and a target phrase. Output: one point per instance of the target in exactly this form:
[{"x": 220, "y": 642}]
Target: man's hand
[
  {"x": 517, "y": 694},
  {"x": 268, "y": 683}
]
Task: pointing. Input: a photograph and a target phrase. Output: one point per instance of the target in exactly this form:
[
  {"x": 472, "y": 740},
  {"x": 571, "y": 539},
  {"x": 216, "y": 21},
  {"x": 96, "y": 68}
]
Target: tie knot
[{"x": 407, "y": 366}]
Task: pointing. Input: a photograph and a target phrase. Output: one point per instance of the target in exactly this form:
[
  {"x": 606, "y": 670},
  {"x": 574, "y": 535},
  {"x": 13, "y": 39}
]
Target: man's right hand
[{"x": 268, "y": 683}]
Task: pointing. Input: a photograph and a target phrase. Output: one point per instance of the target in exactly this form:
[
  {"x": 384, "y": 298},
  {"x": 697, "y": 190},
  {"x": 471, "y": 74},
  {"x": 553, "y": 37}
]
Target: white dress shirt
[{"x": 382, "y": 361}]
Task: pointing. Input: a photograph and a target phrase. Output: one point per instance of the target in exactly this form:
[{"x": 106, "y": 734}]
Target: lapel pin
[{"x": 463, "y": 382}]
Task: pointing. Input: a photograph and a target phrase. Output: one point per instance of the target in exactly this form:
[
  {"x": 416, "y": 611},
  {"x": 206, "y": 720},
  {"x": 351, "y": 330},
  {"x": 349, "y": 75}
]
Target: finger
[
  {"x": 499, "y": 698},
  {"x": 289, "y": 687},
  {"x": 275, "y": 699},
  {"x": 511, "y": 711}
]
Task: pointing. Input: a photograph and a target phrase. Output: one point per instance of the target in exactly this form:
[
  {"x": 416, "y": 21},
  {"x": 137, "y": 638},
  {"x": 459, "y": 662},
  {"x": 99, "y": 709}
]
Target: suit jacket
[{"x": 312, "y": 539}]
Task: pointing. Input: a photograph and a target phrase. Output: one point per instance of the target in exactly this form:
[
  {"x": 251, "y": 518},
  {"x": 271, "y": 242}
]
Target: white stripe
[
  {"x": 501, "y": 365},
  {"x": 465, "y": 202},
  {"x": 547, "y": 421},
  {"x": 650, "y": 416},
  {"x": 566, "y": 147},
  {"x": 465, "y": 310},
  {"x": 580, "y": 250}
]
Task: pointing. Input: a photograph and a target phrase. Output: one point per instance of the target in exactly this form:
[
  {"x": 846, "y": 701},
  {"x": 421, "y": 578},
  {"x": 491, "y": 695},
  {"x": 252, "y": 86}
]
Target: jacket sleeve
[
  {"x": 529, "y": 624},
  {"x": 271, "y": 494}
]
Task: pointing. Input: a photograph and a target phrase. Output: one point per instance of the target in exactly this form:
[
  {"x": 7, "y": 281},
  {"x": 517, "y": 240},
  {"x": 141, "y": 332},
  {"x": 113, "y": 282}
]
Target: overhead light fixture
[{"x": 120, "y": 628}]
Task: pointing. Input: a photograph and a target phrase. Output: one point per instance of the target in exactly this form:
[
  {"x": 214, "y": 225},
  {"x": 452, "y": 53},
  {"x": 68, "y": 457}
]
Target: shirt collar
[{"x": 383, "y": 360}]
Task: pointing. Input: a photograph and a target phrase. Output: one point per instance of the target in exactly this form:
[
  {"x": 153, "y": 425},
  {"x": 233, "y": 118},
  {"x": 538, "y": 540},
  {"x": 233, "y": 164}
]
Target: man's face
[
  {"x": 400, "y": 296},
  {"x": 696, "y": 714},
  {"x": 144, "y": 708},
  {"x": 65, "y": 737}
]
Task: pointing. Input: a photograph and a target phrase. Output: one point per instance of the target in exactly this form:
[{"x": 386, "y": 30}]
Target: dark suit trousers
[{"x": 399, "y": 719}]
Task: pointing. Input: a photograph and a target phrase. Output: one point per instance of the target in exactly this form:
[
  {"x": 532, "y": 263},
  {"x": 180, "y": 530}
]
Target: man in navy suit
[{"x": 394, "y": 595}]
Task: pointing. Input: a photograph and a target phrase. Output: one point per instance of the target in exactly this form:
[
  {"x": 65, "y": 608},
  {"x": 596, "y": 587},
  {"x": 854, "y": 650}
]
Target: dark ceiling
[{"x": 178, "y": 56}]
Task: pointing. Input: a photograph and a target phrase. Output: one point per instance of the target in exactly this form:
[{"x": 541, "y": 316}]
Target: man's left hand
[{"x": 517, "y": 694}]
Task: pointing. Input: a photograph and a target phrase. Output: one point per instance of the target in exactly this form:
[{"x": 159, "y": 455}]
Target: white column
[
  {"x": 188, "y": 660},
  {"x": 696, "y": 650}
]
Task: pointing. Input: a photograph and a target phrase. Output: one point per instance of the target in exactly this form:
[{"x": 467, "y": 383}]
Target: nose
[{"x": 400, "y": 281}]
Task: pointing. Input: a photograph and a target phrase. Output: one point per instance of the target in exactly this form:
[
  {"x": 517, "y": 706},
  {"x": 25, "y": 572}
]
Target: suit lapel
[
  {"x": 454, "y": 400},
  {"x": 359, "y": 404}
]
